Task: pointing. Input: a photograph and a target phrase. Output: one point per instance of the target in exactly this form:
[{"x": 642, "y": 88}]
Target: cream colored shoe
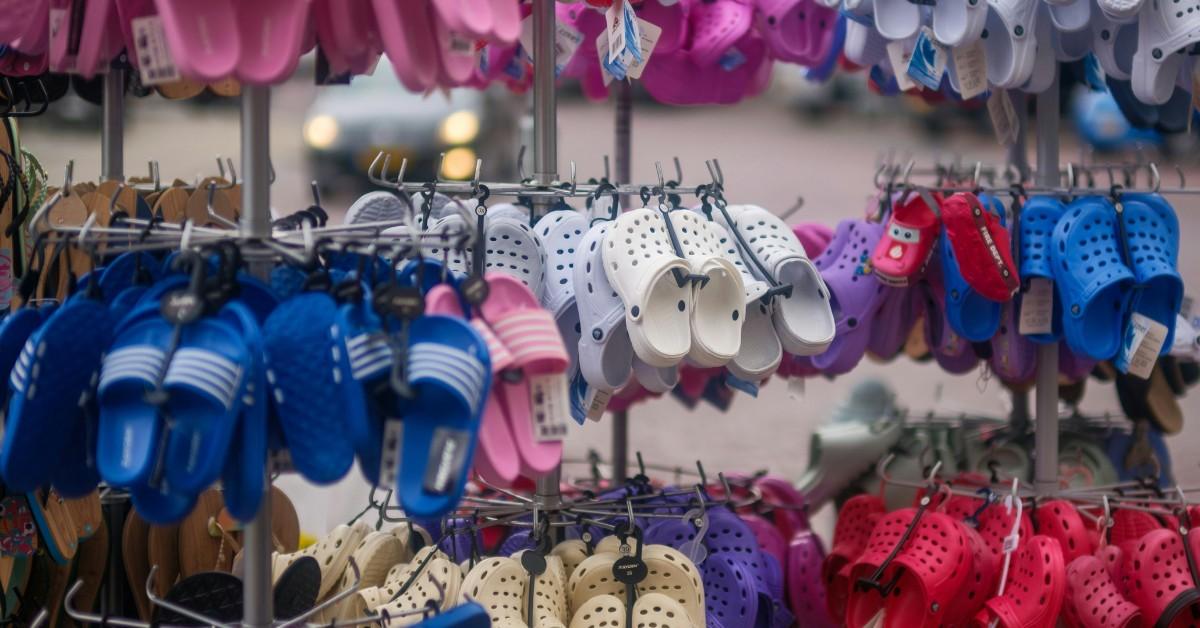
[{"x": 602, "y": 611}]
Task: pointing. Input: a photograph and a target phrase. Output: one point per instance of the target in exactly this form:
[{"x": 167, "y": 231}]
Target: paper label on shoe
[
  {"x": 597, "y": 403},
  {"x": 550, "y": 403},
  {"x": 155, "y": 63},
  {"x": 649, "y": 39},
  {"x": 1037, "y": 308},
  {"x": 446, "y": 460},
  {"x": 970, "y": 66},
  {"x": 389, "y": 461},
  {"x": 1004, "y": 117},
  {"x": 1143, "y": 342},
  {"x": 796, "y": 388},
  {"x": 927, "y": 65},
  {"x": 566, "y": 42},
  {"x": 899, "y": 57},
  {"x": 602, "y": 52}
]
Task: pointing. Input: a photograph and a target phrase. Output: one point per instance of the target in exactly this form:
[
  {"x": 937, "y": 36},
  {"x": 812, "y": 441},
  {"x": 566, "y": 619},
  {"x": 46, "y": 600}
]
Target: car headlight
[
  {"x": 320, "y": 132},
  {"x": 459, "y": 164},
  {"x": 459, "y": 127}
]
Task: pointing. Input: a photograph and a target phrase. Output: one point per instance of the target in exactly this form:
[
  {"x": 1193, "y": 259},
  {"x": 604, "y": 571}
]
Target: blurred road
[{"x": 770, "y": 156}]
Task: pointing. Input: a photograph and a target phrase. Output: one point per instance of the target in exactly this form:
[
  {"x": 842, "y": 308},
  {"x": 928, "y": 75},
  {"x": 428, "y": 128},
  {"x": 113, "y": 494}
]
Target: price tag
[
  {"x": 389, "y": 462},
  {"x": 597, "y": 403},
  {"x": 446, "y": 460},
  {"x": 551, "y": 405},
  {"x": 1143, "y": 342},
  {"x": 602, "y": 52},
  {"x": 1004, "y": 117},
  {"x": 567, "y": 40},
  {"x": 927, "y": 65},
  {"x": 615, "y": 31},
  {"x": 156, "y": 66},
  {"x": 899, "y": 54},
  {"x": 1037, "y": 308},
  {"x": 970, "y": 66}
]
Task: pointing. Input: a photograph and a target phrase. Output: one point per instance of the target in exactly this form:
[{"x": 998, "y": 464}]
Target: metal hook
[
  {"x": 1155, "y": 177},
  {"x": 92, "y": 618},
  {"x": 185, "y": 240},
  {"x": 1182, "y": 178},
  {"x": 212, "y": 213},
  {"x": 171, "y": 606},
  {"x": 975, "y": 176},
  {"x": 341, "y": 595},
  {"x": 573, "y": 182},
  {"x": 521, "y": 164}
]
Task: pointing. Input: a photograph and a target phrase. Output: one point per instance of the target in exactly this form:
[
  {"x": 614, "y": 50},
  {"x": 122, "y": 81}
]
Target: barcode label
[{"x": 155, "y": 63}]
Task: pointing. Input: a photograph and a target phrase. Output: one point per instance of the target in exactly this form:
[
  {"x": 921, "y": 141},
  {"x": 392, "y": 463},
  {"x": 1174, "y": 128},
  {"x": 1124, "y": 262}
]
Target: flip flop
[
  {"x": 203, "y": 36},
  {"x": 1152, "y": 230},
  {"x": 854, "y": 294},
  {"x": 908, "y": 242},
  {"x": 496, "y": 458},
  {"x": 1093, "y": 281},
  {"x": 529, "y": 333},
  {"x": 1163, "y": 32},
  {"x": 1092, "y": 598},
  {"x": 450, "y": 372},
  {"x": 1011, "y": 45},
  {"x": 719, "y": 297},
  {"x": 657, "y": 316},
  {"x": 301, "y": 370},
  {"x": 50, "y": 377},
  {"x": 605, "y": 350},
  {"x": 1039, "y": 215},
  {"x": 803, "y": 319}
]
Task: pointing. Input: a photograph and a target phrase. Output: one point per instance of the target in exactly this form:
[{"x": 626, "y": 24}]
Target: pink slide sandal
[
  {"x": 272, "y": 34},
  {"x": 203, "y": 36},
  {"x": 496, "y": 459},
  {"x": 408, "y": 41},
  {"x": 531, "y": 335}
]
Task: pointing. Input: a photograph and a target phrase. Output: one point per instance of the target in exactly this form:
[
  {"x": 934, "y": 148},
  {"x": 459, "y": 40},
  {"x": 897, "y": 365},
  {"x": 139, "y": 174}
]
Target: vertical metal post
[
  {"x": 1018, "y": 155},
  {"x": 112, "y": 131},
  {"x": 623, "y": 150},
  {"x": 256, "y": 222},
  {"x": 545, "y": 158},
  {"x": 1045, "y": 441}
]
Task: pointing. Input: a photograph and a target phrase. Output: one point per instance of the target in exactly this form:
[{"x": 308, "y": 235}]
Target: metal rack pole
[
  {"x": 545, "y": 159},
  {"x": 1045, "y": 443},
  {"x": 623, "y": 132},
  {"x": 256, "y": 222},
  {"x": 112, "y": 131}
]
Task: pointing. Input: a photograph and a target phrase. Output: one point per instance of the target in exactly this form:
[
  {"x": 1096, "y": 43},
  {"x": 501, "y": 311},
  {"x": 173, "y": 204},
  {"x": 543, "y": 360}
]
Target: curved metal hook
[{"x": 171, "y": 606}]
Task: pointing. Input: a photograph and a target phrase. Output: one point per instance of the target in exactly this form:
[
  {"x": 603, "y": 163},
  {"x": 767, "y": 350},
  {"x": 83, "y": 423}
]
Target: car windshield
[{"x": 384, "y": 80}]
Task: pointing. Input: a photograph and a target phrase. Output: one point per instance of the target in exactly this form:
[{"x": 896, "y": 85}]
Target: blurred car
[{"x": 346, "y": 127}]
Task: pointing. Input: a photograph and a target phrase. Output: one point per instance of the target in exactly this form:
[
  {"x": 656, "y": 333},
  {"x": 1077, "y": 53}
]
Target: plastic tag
[
  {"x": 927, "y": 65},
  {"x": 551, "y": 405},
  {"x": 389, "y": 462},
  {"x": 899, "y": 55},
  {"x": 970, "y": 66},
  {"x": 155, "y": 63},
  {"x": 1010, "y": 544},
  {"x": 1037, "y": 308},
  {"x": 446, "y": 458},
  {"x": 602, "y": 51},
  {"x": 1093, "y": 74},
  {"x": 1004, "y": 117},
  {"x": 597, "y": 403},
  {"x": 795, "y": 388},
  {"x": 615, "y": 31},
  {"x": 1143, "y": 342},
  {"x": 181, "y": 307},
  {"x": 649, "y": 39}
]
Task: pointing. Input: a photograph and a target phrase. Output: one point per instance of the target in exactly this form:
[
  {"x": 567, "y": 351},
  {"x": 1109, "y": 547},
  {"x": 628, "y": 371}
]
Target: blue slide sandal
[
  {"x": 364, "y": 362},
  {"x": 450, "y": 372},
  {"x": 243, "y": 477},
  {"x": 63, "y": 356},
  {"x": 301, "y": 339},
  {"x": 1093, "y": 281},
  {"x": 14, "y": 331}
]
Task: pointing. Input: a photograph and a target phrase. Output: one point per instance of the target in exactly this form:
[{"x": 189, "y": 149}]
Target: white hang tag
[
  {"x": 796, "y": 388},
  {"x": 566, "y": 42},
  {"x": 389, "y": 462},
  {"x": 927, "y": 65},
  {"x": 1143, "y": 342},
  {"x": 156, "y": 66},
  {"x": 1037, "y": 308},
  {"x": 970, "y": 66},
  {"x": 602, "y": 52},
  {"x": 597, "y": 403},
  {"x": 550, "y": 403},
  {"x": 649, "y": 39},
  {"x": 1004, "y": 117},
  {"x": 615, "y": 28},
  {"x": 899, "y": 55}
]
